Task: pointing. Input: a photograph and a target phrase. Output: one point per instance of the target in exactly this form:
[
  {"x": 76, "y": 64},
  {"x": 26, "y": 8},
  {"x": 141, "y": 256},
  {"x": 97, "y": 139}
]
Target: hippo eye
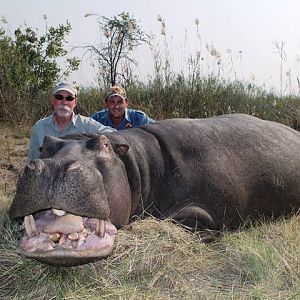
[{"x": 100, "y": 147}]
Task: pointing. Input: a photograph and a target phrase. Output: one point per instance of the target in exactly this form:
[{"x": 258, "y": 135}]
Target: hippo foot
[{"x": 59, "y": 238}]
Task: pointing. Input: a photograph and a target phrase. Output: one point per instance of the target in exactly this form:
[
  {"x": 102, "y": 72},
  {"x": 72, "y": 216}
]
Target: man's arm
[
  {"x": 144, "y": 119},
  {"x": 33, "y": 151},
  {"x": 95, "y": 127}
]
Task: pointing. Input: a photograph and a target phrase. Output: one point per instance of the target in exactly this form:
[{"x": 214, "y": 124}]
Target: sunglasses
[{"x": 61, "y": 97}]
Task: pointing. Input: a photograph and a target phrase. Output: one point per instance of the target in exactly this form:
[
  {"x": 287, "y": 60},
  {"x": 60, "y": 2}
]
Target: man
[
  {"x": 117, "y": 115},
  {"x": 63, "y": 121}
]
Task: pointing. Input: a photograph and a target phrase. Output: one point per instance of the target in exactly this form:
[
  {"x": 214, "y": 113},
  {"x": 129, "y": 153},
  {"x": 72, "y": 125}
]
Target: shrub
[{"x": 28, "y": 69}]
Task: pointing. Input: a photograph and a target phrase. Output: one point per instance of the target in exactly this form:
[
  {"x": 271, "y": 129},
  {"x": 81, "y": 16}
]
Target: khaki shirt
[{"x": 47, "y": 126}]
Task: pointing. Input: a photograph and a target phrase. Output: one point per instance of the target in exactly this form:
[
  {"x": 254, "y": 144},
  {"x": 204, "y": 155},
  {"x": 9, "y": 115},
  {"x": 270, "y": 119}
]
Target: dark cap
[{"x": 116, "y": 91}]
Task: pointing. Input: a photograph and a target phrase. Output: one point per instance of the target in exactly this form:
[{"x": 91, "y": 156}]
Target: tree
[
  {"x": 122, "y": 34},
  {"x": 28, "y": 68}
]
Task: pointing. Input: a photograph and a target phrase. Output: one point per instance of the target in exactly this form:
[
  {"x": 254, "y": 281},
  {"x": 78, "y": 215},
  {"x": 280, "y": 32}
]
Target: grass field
[{"x": 152, "y": 259}]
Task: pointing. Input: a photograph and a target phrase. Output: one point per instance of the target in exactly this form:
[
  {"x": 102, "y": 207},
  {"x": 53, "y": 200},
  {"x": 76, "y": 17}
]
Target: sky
[{"x": 243, "y": 34}]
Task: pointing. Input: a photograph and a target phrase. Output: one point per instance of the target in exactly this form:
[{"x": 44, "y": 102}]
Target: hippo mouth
[{"x": 59, "y": 238}]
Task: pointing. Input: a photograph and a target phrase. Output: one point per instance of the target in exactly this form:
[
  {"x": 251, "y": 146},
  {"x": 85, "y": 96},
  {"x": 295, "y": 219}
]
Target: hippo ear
[
  {"x": 50, "y": 146},
  {"x": 120, "y": 149}
]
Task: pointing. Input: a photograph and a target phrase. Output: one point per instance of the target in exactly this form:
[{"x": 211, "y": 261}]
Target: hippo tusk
[
  {"x": 58, "y": 212},
  {"x": 73, "y": 236},
  {"x": 55, "y": 237},
  {"x": 30, "y": 226},
  {"x": 100, "y": 228}
]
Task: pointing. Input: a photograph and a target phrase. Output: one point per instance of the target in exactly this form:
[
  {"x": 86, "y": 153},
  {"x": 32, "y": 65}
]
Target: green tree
[
  {"x": 28, "y": 69},
  {"x": 114, "y": 56}
]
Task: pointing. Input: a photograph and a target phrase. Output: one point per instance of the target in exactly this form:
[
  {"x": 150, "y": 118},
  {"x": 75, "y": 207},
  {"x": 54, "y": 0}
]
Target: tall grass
[
  {"x": 206, "y": 85},
  {"x": 207, "y": 97}
]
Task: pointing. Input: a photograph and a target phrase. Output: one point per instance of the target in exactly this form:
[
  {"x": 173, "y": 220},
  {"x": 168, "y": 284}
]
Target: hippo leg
[{"x": 194, "y": 217}]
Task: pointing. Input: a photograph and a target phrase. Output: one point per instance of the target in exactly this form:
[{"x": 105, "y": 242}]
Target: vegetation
[
  {"x": 152, "y": 259},
  {"x": 28, "y": 69},
  {"x": 114, "y": 56},
  {"x": 159, "y": 260},
  {"x": 206, "y": 97}
]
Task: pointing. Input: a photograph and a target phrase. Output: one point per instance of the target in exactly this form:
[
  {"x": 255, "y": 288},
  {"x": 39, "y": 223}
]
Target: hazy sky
[{"x": 245, "y": 30}]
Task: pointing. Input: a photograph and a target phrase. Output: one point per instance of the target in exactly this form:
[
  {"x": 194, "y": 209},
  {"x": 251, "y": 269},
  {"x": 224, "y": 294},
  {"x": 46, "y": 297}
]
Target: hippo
[{"x": 214, "y": 173}]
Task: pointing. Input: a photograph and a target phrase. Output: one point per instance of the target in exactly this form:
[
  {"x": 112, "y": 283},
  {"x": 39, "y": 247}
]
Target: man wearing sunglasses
[{"x": 63, "y": 121}]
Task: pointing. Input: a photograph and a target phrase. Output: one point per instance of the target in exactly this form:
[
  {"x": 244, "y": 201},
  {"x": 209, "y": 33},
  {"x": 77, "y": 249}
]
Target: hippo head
[{"x": 72, "y": 199}]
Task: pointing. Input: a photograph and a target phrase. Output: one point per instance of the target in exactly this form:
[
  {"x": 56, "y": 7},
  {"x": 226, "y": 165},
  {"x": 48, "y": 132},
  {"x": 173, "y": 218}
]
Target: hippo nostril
[
  {"x": 30, "y": 165},
  {"x": 58, "y": 212},
  {"x": 36, "y": 165}
]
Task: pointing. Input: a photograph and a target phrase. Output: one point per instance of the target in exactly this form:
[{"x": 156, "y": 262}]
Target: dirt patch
[{"x": 13, "y": 156}]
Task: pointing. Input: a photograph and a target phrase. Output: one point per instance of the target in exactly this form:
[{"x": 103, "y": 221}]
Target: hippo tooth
[
  {"x": 30, "y": 226},
  {"x": 100, "y": 228},
  {"x": 84, "y": 233},
  {"x": 55, "y": 237},
  {"x": 73, "y": 236},
  {"x": 58, "y": 212}
]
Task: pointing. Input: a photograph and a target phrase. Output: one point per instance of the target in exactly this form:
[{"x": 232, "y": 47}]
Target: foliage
[
  {"x": 206, "y": 97},
  {"x": 199, "y": 91},
  {"x": 114, "y": 56},
  {"x": 28, "y": 69}
]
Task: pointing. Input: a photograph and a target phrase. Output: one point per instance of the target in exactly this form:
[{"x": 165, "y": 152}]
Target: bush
[{"x": 28, "y": 69}]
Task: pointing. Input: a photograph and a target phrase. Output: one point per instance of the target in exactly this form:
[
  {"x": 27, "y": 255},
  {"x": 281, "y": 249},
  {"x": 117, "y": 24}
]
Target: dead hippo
[{"x": 212, "y": 173}]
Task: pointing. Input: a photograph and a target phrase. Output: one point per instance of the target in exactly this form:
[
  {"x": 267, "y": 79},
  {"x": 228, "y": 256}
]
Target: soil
[{"x": 13, "y": 157}]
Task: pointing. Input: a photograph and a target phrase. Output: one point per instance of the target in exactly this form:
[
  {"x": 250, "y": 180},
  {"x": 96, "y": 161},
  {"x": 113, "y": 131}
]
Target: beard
[{"x": 63, "y": 111}]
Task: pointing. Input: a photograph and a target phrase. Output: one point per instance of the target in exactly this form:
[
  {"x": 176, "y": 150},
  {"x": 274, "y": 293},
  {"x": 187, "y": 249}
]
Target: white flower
[{"x": 3, "y": 19}]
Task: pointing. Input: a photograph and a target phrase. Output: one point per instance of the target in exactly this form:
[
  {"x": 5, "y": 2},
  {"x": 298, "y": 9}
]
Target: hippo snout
[
  {"x": 67, "y": 185},
  {"x": 66, "y": 213}
]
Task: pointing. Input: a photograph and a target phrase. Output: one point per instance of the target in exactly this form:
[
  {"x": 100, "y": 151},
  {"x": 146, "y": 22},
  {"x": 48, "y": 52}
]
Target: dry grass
[
  {"x": 156, "y": 259},
  {"x": 13, "y": 153}
]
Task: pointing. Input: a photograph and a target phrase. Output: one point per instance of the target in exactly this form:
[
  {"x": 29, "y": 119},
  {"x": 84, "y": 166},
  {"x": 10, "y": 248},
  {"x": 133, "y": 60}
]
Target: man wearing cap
[
  {"x": 63, "y": 121},
  {"x": 117, "y": 115}
]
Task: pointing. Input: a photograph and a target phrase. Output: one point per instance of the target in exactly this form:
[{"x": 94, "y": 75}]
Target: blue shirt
[
  {"x": 133, "y": 118},
  {"x": 47, "y": 126}
]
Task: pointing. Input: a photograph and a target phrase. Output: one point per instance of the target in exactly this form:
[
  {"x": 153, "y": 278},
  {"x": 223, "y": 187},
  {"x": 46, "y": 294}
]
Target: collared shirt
[
  {"x": 133, "y": 118},
  {"x": 47, "y": 126}
]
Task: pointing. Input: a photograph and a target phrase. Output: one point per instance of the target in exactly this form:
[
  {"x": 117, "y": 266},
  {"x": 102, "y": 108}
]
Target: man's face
[
  {"x": 116, "y": 106},
  {"x": 63, "y": 103}
]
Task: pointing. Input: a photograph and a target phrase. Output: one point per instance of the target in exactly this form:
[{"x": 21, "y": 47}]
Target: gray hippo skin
[{"x": 207, "y": 173}]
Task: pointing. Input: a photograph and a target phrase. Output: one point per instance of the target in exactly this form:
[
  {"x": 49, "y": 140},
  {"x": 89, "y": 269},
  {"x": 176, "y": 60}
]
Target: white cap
[{"x": 65, "y": 86}]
